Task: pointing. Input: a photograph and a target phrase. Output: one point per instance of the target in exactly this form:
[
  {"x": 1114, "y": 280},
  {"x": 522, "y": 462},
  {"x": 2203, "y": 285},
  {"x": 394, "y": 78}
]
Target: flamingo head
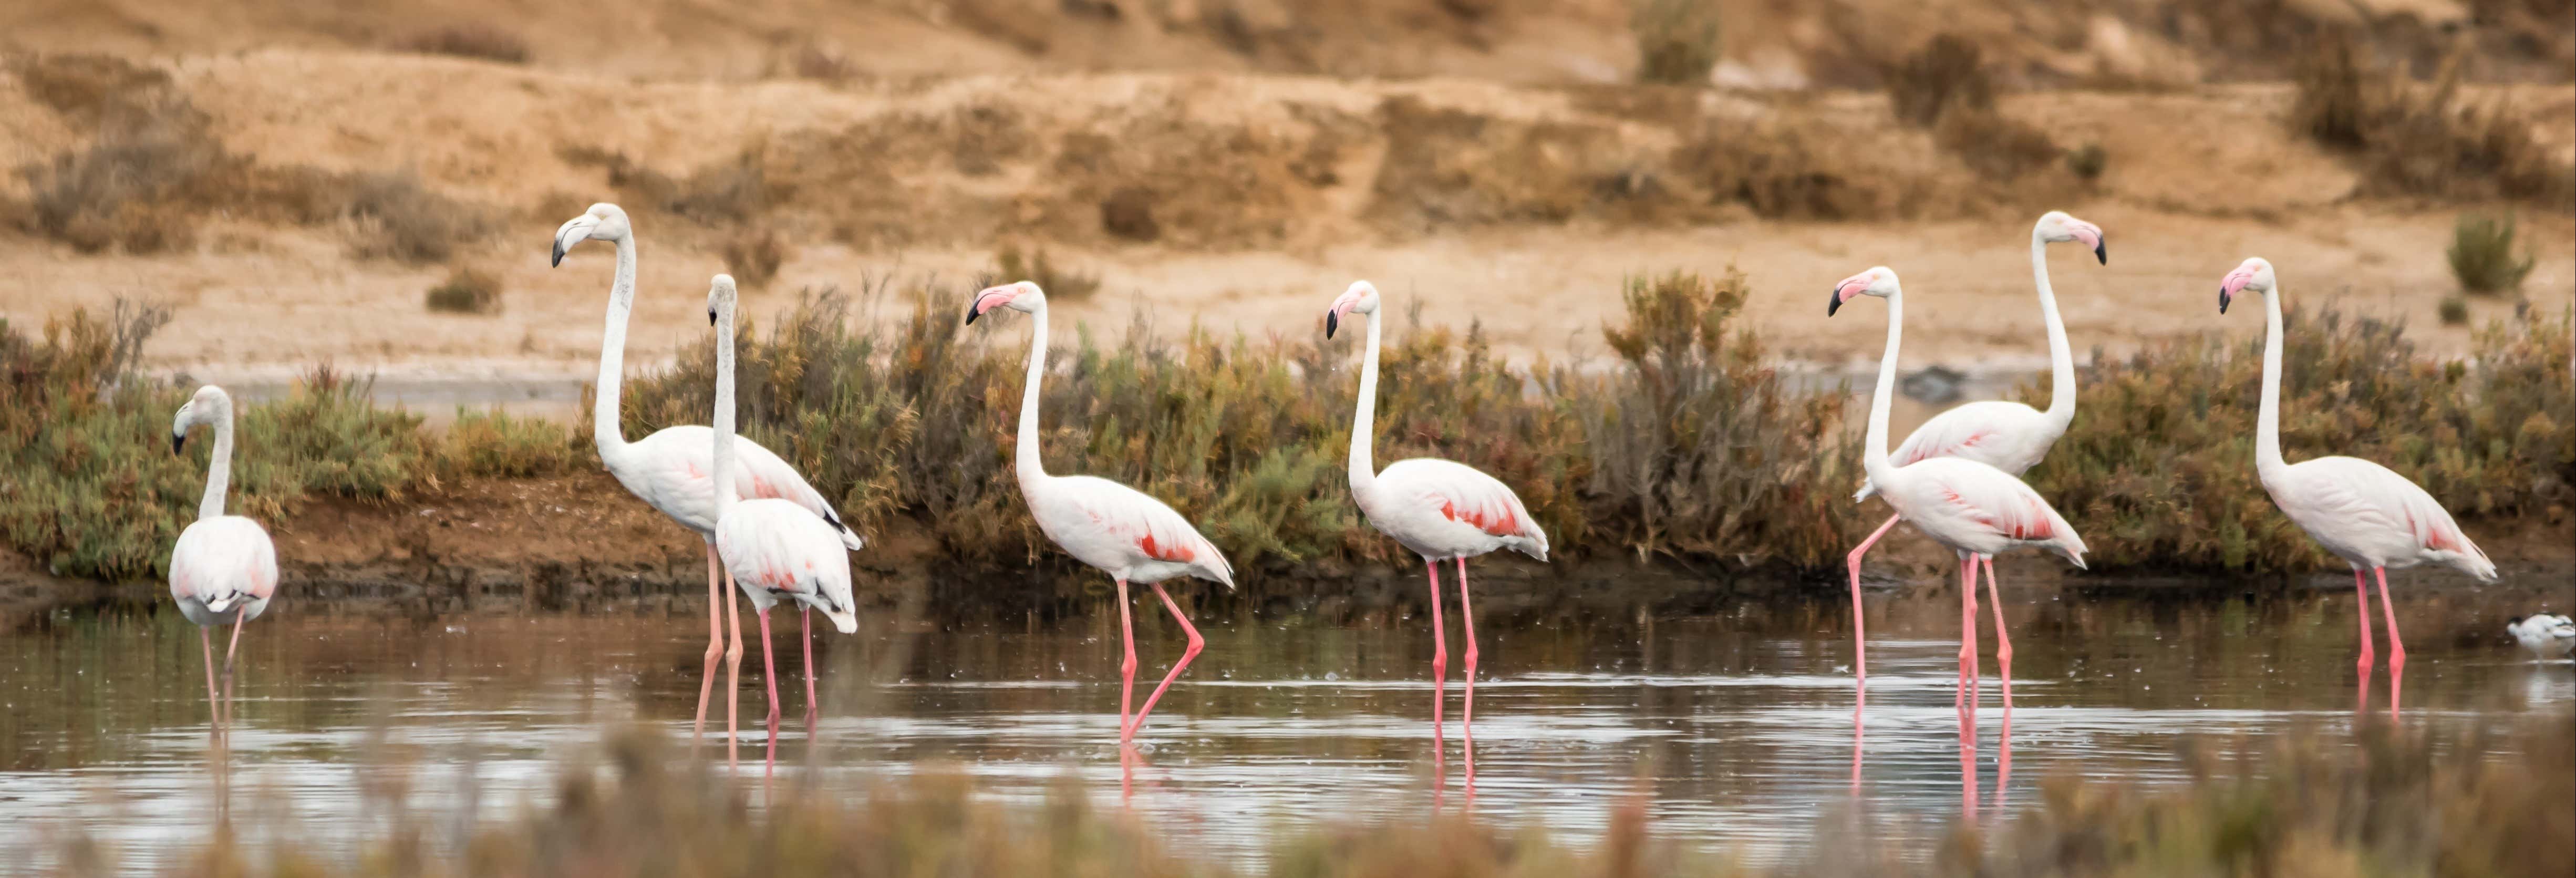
[
  {"x": 2056, "y": 227},
  {"x": 2255, "y": 275},
  {"x": 602, "y": 222},
  {"x": 1023, "y": 297},
  {"x": 210, "y": 405},
  {"x": 1360, "y": 298},
  {"x": 845, "y": 620},
  {"x": 1879, "y": 281},
  {"x": 720, "y": 297}
]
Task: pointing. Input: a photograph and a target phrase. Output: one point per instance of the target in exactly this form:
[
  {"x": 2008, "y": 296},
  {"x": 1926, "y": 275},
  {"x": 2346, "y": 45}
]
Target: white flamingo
[
  {"x": 1442, "y": 510},
  {"x": 1969, "y": 506},
  {"x": 224, "y": 568},
  {"x": 775, "y": 549},
  {"x": 1127, "y": 534},
  {"x": 2360, "y": 511},
  {"x": 670, "y": 470},
  {"x": 2008, "y": 436}
]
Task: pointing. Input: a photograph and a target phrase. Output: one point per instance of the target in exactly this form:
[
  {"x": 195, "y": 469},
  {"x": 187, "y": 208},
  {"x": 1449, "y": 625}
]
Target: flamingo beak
[
  {"x": 178, "y": 443},
  {"x": 570, "y": 233},
  {"x": 1842, "y": 292},
  {"x": 2233, "y": 284},
  {"x": 978, "y": 308},
  {"x": 1332, "y": 321},
  {"x": 711, "y": 317},
  {"x": 2093, "y": 235}
]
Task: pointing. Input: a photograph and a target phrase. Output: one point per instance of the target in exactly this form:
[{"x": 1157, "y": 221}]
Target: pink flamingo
[
  {"x": 1127, "y": 534},
  {"x": 2008, "y": 436},
  {"x": 2360, "y": 511},
  {"x": 1967, "y": 505},
  {"x": 1442, "y": 510},
  {"x": 774, "y": 549},
  {"x": 224, "y": 568},
  {"x": 670, "y": 470}
]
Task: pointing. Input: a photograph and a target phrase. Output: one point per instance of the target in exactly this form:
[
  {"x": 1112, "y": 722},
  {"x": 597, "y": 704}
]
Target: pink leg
[
  {"x": 1467, "y": 716},
  {"x": 2003, "y": 642},
  {"x": 1860, "y": 644},
  {"x": 2396, "y": 646},
  {"x": 1967, "y": 698},
  {"x": 811, "y": 711},
  {"x": 238, "y": 621},
  {"x": 1127, "y": 668},
  {"x": 1439, "y": 675},
  {"x": 214, "y": 704},
  {"x": 769, "y": 674},
  {"x": 715, "y": 648},
  {"x": 1196, "y": 643},
  {"x": 733, "y": 673},
  {"x": 2361, "y": 592}
]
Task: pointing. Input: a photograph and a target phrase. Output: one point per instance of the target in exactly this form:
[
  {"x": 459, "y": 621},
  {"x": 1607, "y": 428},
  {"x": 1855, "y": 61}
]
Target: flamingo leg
[
  {"x": 1439, "y": 674},
  {"x": 2003, "y": 642},
  {"x": 2396, "y": 645},
  {"x": 715, "y": 648},
  {"x": 733, "y": 672},
  {"x": 812, "y": 711},
  {"x": 1860, "y": 647},
  {"x": 769, "y": 675},
  {"x": 2361, "y": 592},
  {"x": 1126, "y": 667},
  {"x": 1191, "y": 652},
  {"x": 1967, "y": 697},
  {"x": 240, "y": 620},
  {"x": 214, "y": 705},
  {"x": 1467, "y": 716}
]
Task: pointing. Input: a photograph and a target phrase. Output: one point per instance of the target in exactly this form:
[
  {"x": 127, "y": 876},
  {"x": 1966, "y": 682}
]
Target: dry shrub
[
  {"x": 471, "y": 41},
  {"x": 466, "y": 291},
  {"x": 1996, "y": 146},
  {"x": 2455, "y": 310},
  {"x": 2482, "y": 254},
  {"x": 83, "y": 86},
  {"x": 1947, "y": 73},
  {"x": 2422, "y": 140},
  {"x": 753, "y": 255},
  {"x": 1676, "y": 40},
  {"x": 1059, "y": 283},
  {"x": 1791, "y": 171},
  {"x": 2087, "y": 162},
  {"x": 722, "y": 193},
  {"x": 400, "y": 219},
  {"x": 1452, "y": 167}
]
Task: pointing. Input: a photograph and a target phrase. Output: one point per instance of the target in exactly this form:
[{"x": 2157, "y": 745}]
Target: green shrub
[
  {"x": 1676, "y": 40},
  {"x": 753, "y": 255},
  {"x": 2482, "y": 257},
  {"x": 494, "y": 444},
  {"x": 2158, "y": 469},
  {"x": 2088, "y": 161},
  {"x": 2455, "y": 310},
  {"x": 465, "y": 291}
]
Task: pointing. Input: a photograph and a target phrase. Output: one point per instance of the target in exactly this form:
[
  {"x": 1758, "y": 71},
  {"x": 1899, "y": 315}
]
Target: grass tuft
[
  {"x": 2482, "y": 257},
  {"x": 1676, "y": 40},
  {"x": 480, "y": 41},
  {"x": 2422, "y": 140},
  {"x": 465, "y": 291},
  {"x": 753, "y": 255},
  {"x": 1060, "y": 283},
  {"x": 1947, "y": 73}
]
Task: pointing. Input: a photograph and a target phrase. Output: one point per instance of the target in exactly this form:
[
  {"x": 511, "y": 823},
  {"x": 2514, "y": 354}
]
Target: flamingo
[
  {"x": 1124, "y": 532},
  {"x": 669, "y": 470},
  {"x": 1970, "y": 506},
  {"x": 2008, "y": 436},
  {"x": 2543, "y": 634},
  {"x": 1442, "y": 510},
  {"x": 2360, "y": 511},
  {"x": 224, "y": 568},
  {"x": 774, "y": 549}
]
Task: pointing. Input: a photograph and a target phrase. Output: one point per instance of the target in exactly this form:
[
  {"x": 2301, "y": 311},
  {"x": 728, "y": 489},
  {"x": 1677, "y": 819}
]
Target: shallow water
[{"x": 1736, "y": 729}]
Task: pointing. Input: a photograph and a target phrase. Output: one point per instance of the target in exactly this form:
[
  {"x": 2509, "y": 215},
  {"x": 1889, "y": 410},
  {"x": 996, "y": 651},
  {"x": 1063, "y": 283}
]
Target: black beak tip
[
  {"x": 1332, "y": 322},
  {"x": 711, "y": 318},
  {"x": 1834, "y": 303},
  {"x": 2102, "y": 254},
  {"x": 176, "y": 443},
  {"x": 557, "y": 262},
  {"x": 2222, "y": 300},
  {"x": 971, "y": 315}
]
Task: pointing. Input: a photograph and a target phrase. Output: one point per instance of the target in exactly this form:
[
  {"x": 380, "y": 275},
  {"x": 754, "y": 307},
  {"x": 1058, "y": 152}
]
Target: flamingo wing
[
  {"x": 673, "y": 470},
  {"x": 1992, "y": 432},
  {"x": 1099, "y": 521},
  {"x": 2355, "y": 496},
  {"x": 1997, "y": 501},
  {"x": 223, "y": 561},
  {"x": 1461, "y": 493},
  {"x": 778, "y": 545}
]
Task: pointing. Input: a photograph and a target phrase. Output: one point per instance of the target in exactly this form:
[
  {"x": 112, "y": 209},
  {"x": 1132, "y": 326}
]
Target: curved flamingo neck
[
  {"x": 721, "y": 469},
  {"x": 2267, "y": 427},
  {"x": 1873, "y": 457},
  {"x": 2061, "y": 361},
  {"x": 1364, "y": 424},
  {"x": 604, "y": 426},
  {"x": 1031, "y": 470},
  {"x": 219, "y": 466}
]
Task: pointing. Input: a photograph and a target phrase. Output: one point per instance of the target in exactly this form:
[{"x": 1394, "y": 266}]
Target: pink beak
[
  {"x": 2090, "y": 236},
  {"x": 2233, "y": 284},
  {"x": 1843, "y": 292},
  {"x": 997, "y": 296}
]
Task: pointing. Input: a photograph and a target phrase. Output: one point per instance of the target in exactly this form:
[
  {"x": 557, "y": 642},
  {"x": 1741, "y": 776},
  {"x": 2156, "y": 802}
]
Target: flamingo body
[
  {"x": 2008, "y": 436},
  {"x": 1124, "y": 532},
  {"x": 2370, "y": 516},
  {"x": 778, "y": 551},
  {"x": 1977, "y": 508},
  {"x": 1443, "y": 510},
  {"x": 672, "y": 470},
  {"x": 223, "y": 570}
]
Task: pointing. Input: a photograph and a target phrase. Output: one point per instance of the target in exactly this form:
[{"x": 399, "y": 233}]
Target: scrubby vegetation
[
  {"x": 2482, "y": 254},
  {"x": 2321, "y": 804},
  {"x": 1676, "y": 40},
  {"x": 2421, "y": 140},
  {"x": 465, "y": 291},
  {"x": 753, "y": 255},
  {"x": 2158, "y": 469},
  {"x": 481, "y": 41}
]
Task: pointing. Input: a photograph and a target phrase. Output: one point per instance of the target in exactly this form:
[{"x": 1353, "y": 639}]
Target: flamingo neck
[
  {"x": 219, "y": 468},
  {"x": 2267, "y": 427},
  {"x": 1873, "y": 457},
  {"x": 721, "y": 469},
  {"x": 1364, "y": 423},
  {"x": 605, "y": 429},
  {"x": 2061, "y": 362},
  {"x": 1025, "y": 457}
]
